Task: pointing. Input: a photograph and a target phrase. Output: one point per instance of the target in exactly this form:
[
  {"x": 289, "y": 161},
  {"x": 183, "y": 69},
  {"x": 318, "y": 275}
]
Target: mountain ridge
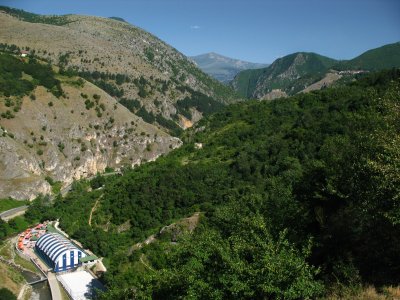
[
  {"x": 305, "y": 71},
  {"x": 280, "y": 76},
  {"x": 383, "y": 57},
  {"x": 133, "y": 64}
]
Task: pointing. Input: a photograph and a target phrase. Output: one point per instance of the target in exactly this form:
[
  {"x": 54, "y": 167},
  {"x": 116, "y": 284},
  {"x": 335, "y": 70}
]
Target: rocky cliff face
[{"x": 66, "y": 139}]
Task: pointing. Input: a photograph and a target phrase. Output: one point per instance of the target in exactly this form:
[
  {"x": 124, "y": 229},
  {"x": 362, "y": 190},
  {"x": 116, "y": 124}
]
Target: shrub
[{"x": 6, "y": 294}]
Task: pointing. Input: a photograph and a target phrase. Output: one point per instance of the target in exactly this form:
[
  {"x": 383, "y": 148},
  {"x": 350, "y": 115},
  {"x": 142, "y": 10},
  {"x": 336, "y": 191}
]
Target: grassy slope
[{"x": 10, "y": 279}]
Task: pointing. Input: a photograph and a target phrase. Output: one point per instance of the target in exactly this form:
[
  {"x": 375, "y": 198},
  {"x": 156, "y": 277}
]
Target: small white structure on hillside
[{"x": 24, "y": 53}]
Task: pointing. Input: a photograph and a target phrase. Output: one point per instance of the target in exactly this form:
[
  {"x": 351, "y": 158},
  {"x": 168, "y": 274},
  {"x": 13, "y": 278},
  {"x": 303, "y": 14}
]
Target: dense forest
[{"x": 299, "y": 198}]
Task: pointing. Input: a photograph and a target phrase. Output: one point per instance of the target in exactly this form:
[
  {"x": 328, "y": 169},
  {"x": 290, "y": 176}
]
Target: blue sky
[{"x": 254, "y": 30}]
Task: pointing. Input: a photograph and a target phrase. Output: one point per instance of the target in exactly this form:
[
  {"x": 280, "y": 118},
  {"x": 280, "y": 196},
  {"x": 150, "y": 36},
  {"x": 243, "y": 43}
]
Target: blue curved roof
[{"x": 54, "y": 244}]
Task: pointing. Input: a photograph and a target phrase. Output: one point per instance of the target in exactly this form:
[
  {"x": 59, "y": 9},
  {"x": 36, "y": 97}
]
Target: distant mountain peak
[{"x": 221, "y": 67}]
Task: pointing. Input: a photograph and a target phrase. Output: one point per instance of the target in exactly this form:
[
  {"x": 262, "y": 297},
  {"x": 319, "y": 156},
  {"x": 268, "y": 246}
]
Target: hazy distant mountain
[{"x": 221, "y": 67}]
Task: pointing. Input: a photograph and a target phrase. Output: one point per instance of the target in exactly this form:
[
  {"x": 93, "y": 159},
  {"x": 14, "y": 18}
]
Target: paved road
[{"x": 5, "y": 215}]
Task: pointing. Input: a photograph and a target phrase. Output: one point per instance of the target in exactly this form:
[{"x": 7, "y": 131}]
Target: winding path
[
  {"x": 146, "y": 265},
  {"x": 93, "y": 209}
]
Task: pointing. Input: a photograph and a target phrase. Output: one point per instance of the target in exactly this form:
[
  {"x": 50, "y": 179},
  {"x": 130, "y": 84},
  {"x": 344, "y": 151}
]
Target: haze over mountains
[
  {"x": 221, "y": 67},
  {"x": 293, "y": 73}
]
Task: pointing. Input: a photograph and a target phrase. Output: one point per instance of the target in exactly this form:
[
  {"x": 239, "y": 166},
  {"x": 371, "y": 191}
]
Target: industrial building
[{"x": 58, "y": 252}]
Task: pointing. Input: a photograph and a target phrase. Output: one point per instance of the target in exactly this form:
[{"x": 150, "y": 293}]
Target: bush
[
  {"x": 6, "y": 294},
  {"x": 61, "y": 146},
  {"x": 49, "y": 180}
]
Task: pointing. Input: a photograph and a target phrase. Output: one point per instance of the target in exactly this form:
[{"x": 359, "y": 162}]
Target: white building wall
[{"x": 59, "y": 259}]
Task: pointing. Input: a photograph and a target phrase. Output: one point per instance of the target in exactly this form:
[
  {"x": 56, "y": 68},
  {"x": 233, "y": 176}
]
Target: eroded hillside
[{"x": 75, "y": 135}]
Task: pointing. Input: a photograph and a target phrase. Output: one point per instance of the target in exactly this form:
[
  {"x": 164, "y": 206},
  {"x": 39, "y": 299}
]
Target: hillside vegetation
[
  {"x": 289, "y": 74},
  {"x": 385, "y": 57},
  {"x": 35, "y": 18},
  {"x": 303, "y": 72},
  {"x": 298, "y": 197},
  {"x": 127, "y": 62}
]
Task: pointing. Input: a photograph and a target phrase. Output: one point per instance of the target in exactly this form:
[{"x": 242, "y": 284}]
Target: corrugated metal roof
[{"x": 54, "y": 244}]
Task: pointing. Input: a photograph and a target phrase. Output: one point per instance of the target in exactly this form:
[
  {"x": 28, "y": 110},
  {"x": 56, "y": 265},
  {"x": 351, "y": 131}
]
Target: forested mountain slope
[
  {"x": 299, "y": 199},
  {"x": 303, "y": 72},
  {"x": 287, "y": 75},
  {"x": 141, "y": 71},
  {"x": 385, "y": 57}
]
